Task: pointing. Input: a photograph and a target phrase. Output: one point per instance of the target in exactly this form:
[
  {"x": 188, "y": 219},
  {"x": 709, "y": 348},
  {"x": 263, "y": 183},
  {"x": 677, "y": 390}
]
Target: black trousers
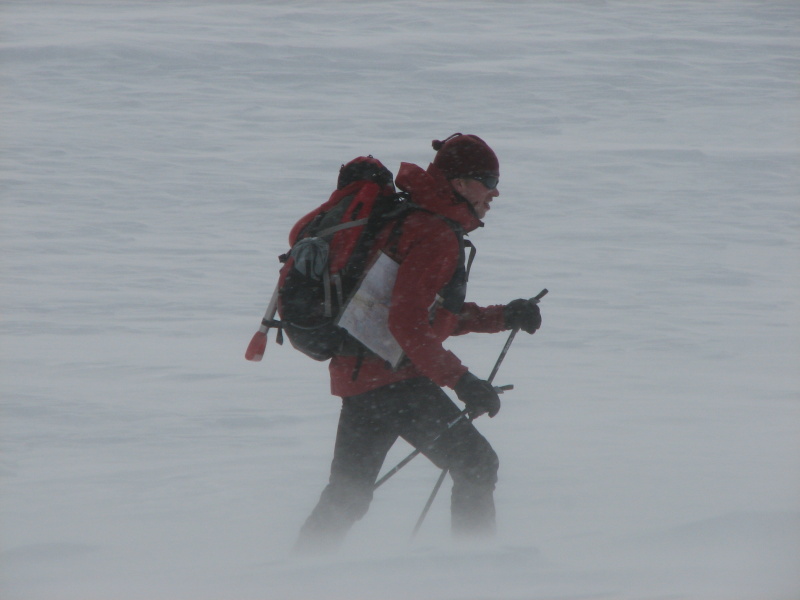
[{"x": 416, "y": 410}]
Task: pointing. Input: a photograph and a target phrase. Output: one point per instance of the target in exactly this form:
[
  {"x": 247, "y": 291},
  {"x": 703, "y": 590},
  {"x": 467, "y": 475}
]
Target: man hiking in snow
[{"x": 380, "y": 404}]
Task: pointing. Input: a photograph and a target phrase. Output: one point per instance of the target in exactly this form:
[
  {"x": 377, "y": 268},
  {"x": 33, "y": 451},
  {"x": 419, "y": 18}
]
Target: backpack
[{"x": 330, "y": 249}]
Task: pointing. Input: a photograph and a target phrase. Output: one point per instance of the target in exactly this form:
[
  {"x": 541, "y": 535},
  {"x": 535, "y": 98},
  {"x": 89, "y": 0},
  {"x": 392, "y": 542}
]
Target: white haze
[{"x": 155, "y": 155}]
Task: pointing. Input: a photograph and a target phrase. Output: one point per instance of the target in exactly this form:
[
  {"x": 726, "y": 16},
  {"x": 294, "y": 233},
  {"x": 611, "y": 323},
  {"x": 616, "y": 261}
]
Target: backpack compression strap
[{"x": 340, "y": 227}]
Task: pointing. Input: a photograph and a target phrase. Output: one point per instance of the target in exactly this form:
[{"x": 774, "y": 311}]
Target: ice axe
[{"x": 258, "y": 345}]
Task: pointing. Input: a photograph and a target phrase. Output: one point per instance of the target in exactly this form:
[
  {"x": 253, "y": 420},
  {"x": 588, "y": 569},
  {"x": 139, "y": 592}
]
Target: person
[{"x": 380, "y": 404}]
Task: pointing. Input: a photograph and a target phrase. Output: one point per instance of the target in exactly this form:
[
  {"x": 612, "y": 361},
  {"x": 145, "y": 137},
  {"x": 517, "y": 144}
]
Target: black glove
[
  {"x": 478, "y": 395},
  {"x": 522, "y": 314}
]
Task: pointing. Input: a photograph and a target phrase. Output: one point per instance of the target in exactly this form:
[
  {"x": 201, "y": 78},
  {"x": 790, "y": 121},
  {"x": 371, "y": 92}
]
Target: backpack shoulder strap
[{"x": 463, "y": 243}]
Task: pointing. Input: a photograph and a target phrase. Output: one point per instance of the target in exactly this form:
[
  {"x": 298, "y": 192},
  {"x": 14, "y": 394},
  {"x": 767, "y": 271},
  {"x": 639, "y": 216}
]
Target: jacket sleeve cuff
[
  {"x": 476, "y": 319},
  {"x": 451, "y": 379}
]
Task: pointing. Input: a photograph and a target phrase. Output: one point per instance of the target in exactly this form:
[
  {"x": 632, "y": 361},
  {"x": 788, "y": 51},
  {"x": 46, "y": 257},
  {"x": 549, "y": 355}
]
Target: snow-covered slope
[{"x": 154, "y": 156}]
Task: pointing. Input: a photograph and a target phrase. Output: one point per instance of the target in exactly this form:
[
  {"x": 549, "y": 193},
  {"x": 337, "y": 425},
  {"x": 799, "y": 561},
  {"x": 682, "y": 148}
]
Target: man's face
[{"x": 477, "y": 194}]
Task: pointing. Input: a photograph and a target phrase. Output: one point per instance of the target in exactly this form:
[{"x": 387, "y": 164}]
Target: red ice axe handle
[{"x": 258, "y": 345}]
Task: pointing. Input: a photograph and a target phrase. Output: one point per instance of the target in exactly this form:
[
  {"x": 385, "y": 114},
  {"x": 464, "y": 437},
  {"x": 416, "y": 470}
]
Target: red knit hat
[{"x": 464, "y": 155}]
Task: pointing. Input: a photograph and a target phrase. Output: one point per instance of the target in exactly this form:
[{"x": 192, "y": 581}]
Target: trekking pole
[
  {"x": 463, "y": 415},
  {"x": 496, "y": 368},
  {"x": 417, "y": 451},
  {"x": 446, "y": 470},
  {"x": 460, "y": 417}
]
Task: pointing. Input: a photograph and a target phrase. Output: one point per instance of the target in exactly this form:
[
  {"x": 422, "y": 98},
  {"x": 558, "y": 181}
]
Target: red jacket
[{"x": 428, "y": 252}]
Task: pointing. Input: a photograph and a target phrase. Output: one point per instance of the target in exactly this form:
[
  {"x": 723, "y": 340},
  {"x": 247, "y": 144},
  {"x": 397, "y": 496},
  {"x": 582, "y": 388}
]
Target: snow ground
[{"x": 154, "y": 156}]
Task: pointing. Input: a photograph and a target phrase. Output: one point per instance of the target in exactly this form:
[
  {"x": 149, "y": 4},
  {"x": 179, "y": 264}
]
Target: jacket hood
[{"x": 431, "y": 190}]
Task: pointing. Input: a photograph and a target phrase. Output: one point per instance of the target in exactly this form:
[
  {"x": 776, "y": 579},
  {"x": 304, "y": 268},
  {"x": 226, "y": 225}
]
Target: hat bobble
[
  {"x": 439, "y": 144},
  {"x": 463, "y": 155}
]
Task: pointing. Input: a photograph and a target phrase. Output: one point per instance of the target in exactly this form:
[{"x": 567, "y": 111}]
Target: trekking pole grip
[{"x": 539, "y": 296}]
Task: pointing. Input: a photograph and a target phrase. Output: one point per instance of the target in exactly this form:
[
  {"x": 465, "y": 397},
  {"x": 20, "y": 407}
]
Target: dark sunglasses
[{"x": 489, "y": 181}]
